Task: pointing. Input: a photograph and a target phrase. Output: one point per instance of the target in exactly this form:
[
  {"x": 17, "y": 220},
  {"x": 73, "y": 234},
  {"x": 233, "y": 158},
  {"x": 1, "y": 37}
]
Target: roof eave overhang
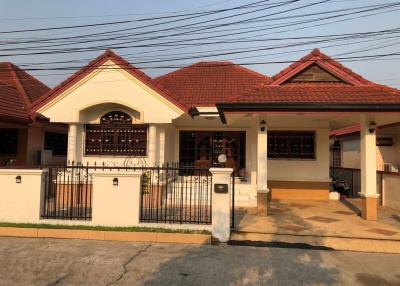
[{"x": 304, "y": 107}]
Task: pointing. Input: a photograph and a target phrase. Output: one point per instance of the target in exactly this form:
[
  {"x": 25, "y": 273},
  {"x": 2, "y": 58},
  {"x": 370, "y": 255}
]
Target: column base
[
  {"x": 369, "y": 206},
  {"x": 263, "y": 200}
]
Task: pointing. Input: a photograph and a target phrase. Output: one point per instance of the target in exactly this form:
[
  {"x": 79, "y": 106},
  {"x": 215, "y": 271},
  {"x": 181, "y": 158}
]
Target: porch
[{"x": 318, "y": 219}]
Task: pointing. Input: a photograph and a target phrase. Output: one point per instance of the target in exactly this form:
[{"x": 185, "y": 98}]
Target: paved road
[{"x": 26, "y": 261}]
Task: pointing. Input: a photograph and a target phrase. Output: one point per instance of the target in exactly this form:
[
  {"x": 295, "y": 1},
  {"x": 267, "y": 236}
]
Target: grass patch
[{"x": 103, "y": 228}]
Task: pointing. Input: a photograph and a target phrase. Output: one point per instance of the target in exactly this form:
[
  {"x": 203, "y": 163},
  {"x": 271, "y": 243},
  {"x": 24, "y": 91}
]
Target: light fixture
[
  {"x": 115, "y": 182},
  {"x": 372, "y": 127},
  {"x": 18, "y": 179},
  {"x": 263, "y": 125}
]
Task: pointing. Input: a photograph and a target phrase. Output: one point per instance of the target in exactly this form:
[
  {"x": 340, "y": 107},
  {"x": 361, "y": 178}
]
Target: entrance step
[{"x": 315, "y": 242}]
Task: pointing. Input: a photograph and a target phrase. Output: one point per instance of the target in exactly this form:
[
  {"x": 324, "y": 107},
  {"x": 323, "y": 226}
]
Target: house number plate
[{"x": 221, "y": 188}]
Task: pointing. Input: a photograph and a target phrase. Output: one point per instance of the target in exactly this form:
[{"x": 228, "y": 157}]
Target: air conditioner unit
[
  {"x": 389, "y": 167},
  {"x": 44, "y": 157}
]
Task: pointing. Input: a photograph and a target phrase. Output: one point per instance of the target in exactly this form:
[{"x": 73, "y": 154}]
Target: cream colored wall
[
  {"x": 116, "y": 205},
  {"x": 20, "y": 203},
  {"x": 391, "y": 191},
  {"x": 171, "y": 142},
  {"x": 304, "y": 170},
  {"x": 35, "y": 143},
  {"x": 111, "y": 86},
  {"x": 351, "y": 152},
  {"x": 384, "y": 154}
]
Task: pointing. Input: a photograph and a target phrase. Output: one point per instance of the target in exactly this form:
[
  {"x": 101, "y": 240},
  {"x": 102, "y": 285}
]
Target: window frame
[{"x": 293, "y": 133}]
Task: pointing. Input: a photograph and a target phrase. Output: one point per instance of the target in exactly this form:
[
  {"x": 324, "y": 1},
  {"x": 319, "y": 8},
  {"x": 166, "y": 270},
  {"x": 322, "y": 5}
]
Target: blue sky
[{"x": 29, "y": 14}]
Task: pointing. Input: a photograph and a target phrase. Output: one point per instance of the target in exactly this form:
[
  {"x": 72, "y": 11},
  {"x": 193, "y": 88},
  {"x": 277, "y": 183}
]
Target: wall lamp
[
  {"x": 18, "y": 179},
  {"x": 115, "y": 182},
  {"x": 372, "y": 127},
  {"x": 263, "y": 125}
]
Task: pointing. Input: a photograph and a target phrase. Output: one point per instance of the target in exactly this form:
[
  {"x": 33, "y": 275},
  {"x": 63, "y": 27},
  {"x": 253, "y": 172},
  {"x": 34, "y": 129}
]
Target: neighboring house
[
  {"x": 24, "y": 134},
  {"x": 273, "y": 131},
  {"x": 345, "y": 148}
]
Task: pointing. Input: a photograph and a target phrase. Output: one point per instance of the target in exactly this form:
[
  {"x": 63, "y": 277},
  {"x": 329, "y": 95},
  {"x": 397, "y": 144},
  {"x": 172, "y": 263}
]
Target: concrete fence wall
[
  {"x": 391, "y": 190},
  {"x": 21, "y": 202},
  {"x": 112, "y": 205}
]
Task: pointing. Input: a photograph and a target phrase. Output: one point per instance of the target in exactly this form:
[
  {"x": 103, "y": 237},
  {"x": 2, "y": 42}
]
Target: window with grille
[
  {"x": 8, "y": 141},
  {"x": 116, "y": 135},
  {"x": 291, "y": 145}
]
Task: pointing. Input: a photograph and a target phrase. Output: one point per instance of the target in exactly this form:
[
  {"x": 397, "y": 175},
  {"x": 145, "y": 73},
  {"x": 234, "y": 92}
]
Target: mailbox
[{"x": 221, "y": 188}]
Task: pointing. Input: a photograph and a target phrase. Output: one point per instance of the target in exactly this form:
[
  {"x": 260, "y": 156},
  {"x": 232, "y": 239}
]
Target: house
[
  {"x": 345, "y": 148},
  {"x": 23, "y": 134},
  {"x": 274, "y": 132}
]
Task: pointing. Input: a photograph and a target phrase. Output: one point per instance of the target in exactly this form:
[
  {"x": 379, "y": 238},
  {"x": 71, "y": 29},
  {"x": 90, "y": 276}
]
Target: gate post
[{"x": 221, "y": 203}]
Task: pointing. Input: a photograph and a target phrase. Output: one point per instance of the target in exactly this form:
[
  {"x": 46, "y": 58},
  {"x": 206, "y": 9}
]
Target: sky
[{"x": 159, "y": 36}]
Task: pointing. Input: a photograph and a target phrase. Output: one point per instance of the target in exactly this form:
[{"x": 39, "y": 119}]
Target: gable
[
  {"x": 314, "y": 73},
  {"x": 109, "y": 85}
]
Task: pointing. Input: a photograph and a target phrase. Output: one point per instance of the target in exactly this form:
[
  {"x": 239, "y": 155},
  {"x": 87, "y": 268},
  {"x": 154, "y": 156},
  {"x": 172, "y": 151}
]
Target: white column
[
  {"x": 262, "y": 156},
  {"x": 161, "y": 146},
  {"x": 72, "y": 141},
  {"x": 221, "y": 204},
  {"x": 152, "y": 152},
  {"x": 369, "y": 195}
]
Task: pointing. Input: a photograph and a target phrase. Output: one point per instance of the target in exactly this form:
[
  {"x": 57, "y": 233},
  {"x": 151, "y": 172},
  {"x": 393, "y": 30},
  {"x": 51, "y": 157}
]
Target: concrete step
[{"x": 315, "y": 242}]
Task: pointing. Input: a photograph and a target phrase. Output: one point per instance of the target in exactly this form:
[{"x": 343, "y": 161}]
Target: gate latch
[{"x": 221, "y": 188}]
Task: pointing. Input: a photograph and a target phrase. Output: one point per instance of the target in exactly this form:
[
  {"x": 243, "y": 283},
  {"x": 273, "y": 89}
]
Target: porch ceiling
[{"x": 333, "y": 120}]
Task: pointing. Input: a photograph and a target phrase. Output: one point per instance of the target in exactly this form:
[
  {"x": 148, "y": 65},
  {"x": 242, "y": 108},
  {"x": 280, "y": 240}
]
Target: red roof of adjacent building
[
  {"x": 18, "y": 90},
  {"x": 96, "y": 63},
  {"x": 207, "y": 83},
  {"x": 350, "y": 88}
]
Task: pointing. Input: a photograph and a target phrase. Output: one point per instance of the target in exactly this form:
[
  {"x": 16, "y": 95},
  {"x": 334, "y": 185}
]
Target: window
[
  {"x": 116, "y": 135},
  {"x": 57, "y": 142},
  {"x": 291, "y": 145},
  {"x": 8, "y": 141}
]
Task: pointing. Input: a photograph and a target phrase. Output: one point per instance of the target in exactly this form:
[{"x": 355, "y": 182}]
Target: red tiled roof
[
  {"x": 123, "y": 64},
  {"x": 319, "y": 93},
  {"x": 353, "y": 90},
  {"x": 206, "y": 83},
  {"x": 18, "y": 90}
]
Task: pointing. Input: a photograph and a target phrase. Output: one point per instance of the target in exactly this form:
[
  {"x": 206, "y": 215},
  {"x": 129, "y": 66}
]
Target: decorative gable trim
[
  {"x": 324, "y": 62},
  {"x": 108, "y": 55}
]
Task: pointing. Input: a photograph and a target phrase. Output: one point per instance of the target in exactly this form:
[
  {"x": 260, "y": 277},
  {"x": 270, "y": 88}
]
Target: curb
[
  {"x": 312, "y": 242},
  {"x": 158, "y": 237}
]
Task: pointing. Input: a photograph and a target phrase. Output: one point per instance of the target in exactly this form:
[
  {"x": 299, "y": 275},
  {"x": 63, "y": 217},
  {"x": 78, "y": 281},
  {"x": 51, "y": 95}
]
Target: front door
[{"x": 202, "y": 148}]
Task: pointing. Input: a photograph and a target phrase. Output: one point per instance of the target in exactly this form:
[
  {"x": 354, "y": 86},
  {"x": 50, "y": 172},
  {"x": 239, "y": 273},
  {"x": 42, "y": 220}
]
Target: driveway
[{"x": 26, "y": 261}]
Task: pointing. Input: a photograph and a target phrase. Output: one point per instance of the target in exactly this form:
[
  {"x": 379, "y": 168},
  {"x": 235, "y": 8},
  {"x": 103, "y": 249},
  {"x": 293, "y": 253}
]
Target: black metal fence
[
  {"x": 168, "y": 194},
  {"x": 68, "y": 193},
  {"x": 173, "y": 194}
]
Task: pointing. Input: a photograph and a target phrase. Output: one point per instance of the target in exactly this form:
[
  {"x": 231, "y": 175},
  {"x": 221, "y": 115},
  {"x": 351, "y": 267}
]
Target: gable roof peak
[
  {"x": 323, "y": 61},
  {"x": 316, "y": 52},
  {"x": 98, "y": 62}
]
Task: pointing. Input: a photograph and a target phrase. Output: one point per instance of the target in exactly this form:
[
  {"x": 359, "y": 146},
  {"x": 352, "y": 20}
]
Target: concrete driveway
[{"x": 26, "y": 261}]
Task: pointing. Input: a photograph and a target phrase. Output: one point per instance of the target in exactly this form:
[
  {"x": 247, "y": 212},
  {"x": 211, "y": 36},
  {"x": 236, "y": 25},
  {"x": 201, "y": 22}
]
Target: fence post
[{"x": 221, "y": 204}]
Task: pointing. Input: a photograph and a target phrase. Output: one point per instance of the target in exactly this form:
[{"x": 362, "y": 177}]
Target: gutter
[{"x": 304, "y": 107}]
